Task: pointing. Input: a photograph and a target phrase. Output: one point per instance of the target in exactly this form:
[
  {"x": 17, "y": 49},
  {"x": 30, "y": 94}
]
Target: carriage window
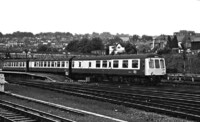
[
  {"x": 52, "y": 64},
  {"x": 98, "y": 64},
  {"x": 157, "y": 63},
  {"x": 151, "y": 65},
  {"x": 115, "y": 64},
  {"x": 45, "y": 64},
  {"x": 49, "y": 63},
  {"x": 79, "y": 64},
  {"x": 90, "y": 64},
  {"x": 104, "y": 64},
  {"x": 125, "y": 64},
  {"x": 58, "y": 64},
  {"x": 63, "y": 64},
  {"x": 37, "y": 64},
  {"x": 134, "y": 63},
  {"x": 162, "y": 64}
]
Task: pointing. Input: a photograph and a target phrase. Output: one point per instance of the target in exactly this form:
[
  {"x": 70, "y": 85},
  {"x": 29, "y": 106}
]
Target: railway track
[
  {"x": 10, "y": 112},
  {"x": 170, "y": 102}
]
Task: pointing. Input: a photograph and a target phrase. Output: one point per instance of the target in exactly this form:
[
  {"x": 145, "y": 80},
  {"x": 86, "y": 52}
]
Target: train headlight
[{"x": 134, "y": 71}]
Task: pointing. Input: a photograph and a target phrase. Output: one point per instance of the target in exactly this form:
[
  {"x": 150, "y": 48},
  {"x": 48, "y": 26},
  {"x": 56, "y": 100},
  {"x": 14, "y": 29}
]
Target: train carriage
[
  {"x": 148, "y": 68},
  {"x": 15, "y": 65},
  {"x": 122, "y": 68},
  {"x": 49, "y": 66}
]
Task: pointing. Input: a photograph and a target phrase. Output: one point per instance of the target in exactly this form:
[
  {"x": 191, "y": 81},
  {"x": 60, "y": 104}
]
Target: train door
[{"x": 27, "y": 65}]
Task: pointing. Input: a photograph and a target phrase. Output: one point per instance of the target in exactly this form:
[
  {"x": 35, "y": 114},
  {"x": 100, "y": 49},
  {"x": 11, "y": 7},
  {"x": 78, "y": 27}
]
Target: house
[
  {"x": 2, "y": 46},
  {"x": 185, "y": 37},
  {"x": 195, "y": 43},
  {"x": 124, "y": 38},
  {"x": 159, "y": 41},
  {"x": 116, "y": 49}
]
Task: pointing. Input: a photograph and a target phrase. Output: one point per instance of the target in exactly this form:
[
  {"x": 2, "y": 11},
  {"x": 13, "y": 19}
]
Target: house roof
[
  {"x": 195, "y": 39},
  {"x": 180, "y": 38},
  {"x": 124, "y": 38}
]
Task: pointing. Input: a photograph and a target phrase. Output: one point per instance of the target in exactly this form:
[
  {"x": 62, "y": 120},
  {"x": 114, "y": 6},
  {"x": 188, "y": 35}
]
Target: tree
[
  {"x": 84, "y": 46},
  {"x": 143, "y": 48},
  {"x": 147, "y": 38},
  {"x": 22, "y": 34},
  {"x": 96, "y": 44},
  {"x": 165, "y": 50},
  {"x": 135, "y": 37},
  {"x": 169, "y": 42},
  {"x": 72, "y": 46},
  {"x": 174, "y": 42},
  {"x": 1, "y": 35},
  {"x": 42, "y": 48},
  {"x": 115, "y": 40},
  {"x": 130, "y": 49}
]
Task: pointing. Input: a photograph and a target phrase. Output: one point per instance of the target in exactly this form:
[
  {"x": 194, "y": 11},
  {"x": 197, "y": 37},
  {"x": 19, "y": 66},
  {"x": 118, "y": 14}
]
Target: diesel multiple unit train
[{"x": 142, "y": 68}]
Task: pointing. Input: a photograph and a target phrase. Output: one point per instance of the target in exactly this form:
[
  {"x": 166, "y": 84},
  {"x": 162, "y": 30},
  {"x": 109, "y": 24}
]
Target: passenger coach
[
  {"x": 123, "y": 68},
  {"x": 148, "y": 68}
]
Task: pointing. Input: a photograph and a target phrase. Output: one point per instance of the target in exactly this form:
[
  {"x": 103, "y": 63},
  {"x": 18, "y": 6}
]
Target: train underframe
[{"x": 145, "y": 80}]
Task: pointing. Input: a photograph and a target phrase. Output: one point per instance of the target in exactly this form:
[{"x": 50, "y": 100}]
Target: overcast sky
[{"x": 150, "y": 17}]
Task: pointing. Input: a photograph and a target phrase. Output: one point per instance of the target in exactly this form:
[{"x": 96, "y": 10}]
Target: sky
[{"x": 149, "y": 17}]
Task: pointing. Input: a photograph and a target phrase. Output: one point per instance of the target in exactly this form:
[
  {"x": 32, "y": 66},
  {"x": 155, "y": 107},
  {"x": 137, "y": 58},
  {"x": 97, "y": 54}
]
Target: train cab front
[{"x": 155, "y": 68}]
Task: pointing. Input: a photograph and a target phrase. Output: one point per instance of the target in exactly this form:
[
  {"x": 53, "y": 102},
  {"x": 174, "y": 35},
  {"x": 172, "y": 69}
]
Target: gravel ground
[{"x": 116, "y": 111}]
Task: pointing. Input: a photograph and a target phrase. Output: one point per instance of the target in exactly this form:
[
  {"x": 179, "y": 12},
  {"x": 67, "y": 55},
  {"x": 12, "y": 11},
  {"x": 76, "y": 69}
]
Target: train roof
[
  {"x": 110, "y": 57},
  {"x": 13, "y": 60},
  {"x": 24, "y": 60},
  {"x": 105, "y": 57}
]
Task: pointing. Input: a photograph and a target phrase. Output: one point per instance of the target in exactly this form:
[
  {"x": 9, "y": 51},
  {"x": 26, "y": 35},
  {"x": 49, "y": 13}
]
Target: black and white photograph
[{"x": 99, "y": 60}]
